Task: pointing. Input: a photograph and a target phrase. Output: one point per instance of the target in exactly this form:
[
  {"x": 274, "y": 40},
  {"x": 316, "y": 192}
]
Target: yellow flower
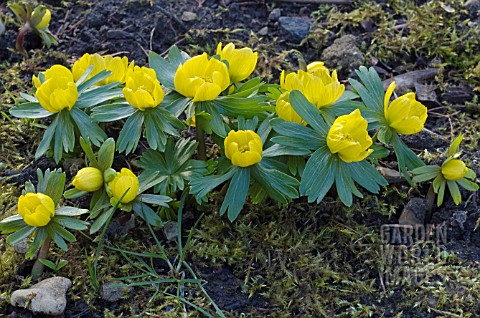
[
  {"x": 244, "y": 147},
  {"x": 404, "y": 114},
  {"x": 124, "y": 180},
  {"x": 349, "y": 138},
  {"x": 81, "y": 65},
  {"x": 88, "y": 179},
  {"x": 318, "y": 86},
  {"x": 43, "y": 23},
  {"x": 201, "y": 79},
  {"x": 316, "y": 67},
  {"x": 58, "y": 91},
  {"x": 454, "y": 169},
  {"x": 142, "y": 89},
  {"x": 117, "y": 65},
  {"x": 285, "y": 110},
  {"x": 36, "y": 209},
  {"x": 241, "y": 62}
]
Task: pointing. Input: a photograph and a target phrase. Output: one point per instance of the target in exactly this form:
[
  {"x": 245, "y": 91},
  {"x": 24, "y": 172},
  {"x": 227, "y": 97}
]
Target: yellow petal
[{"x": 454, "y": 169}]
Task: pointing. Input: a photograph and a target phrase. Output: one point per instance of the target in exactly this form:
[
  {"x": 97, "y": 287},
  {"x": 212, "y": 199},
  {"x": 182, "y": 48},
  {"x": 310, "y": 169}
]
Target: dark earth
[{"x": 260, "y": 250}]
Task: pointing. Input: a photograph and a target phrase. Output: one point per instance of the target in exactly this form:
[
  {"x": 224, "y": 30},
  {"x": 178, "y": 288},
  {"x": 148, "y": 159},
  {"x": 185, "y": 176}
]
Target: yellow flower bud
[
  {"x": 36, "y": 209},
  {"x": 316, "y": 67},
  {"x": 349, "y": 137},
  {"x": 244, "y": 147},
  {"x": 318, "y": 86},
  {"x": 404, "y": 114},
  {"x": 117, "y": 65},
  {"x": 241, "y": 62},
  {"x": 285, "y": 110},
  {"x": 124, "y": 180},
  {"x": 201, "y": 79},
  {"x": 454, "y": 169},
  {"x": 58, "y": 91},
  {"x": 88, "y": 179},
  {"x": 43, "y": 23},
  {"x": 142, "y": 89}
]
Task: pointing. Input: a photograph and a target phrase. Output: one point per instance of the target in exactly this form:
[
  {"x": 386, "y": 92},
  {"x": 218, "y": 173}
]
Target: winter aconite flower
[
  {"x": 285, "y": 110},
  {"x": 88, "y": 179},
  {"x": 44, "y": 21},
  {"x": 454, "y": 169},
  {"x": 243, "y": 147},
  {"x": 142, "y": 89},
  {"x": 201, "y": 78},
  {"x": 124, "y": 180},
  {"x": 58, "y": 91},
  {"x": 36, "y": 209},
  {"x": 117, "y": 65},
  {"x": 241, "y": 62},
  {"x": 349, "y": 138},
  {"x": 404, "y": 114}
]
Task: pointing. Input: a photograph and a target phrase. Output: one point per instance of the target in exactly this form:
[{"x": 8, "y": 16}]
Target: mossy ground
[{"x": 300, "y": 260}]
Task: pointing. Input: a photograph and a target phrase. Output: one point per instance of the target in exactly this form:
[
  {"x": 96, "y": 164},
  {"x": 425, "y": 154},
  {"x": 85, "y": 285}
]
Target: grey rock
[
  {"x": 295, "y": 29},
  {"x": 118, "y": 35},
  {"x": 263, "y": 31},
  {"x": 188, "y": 16},
  {"x": 170, "y": 230},
  {"x": 117, "y": 228},
  {"x": 344, "y": 55},
  {"x": 112, "y": 292},
  {"x": 275, "y": 15},
  {"x": 414, "y": 212},
  {"x": 23, "y": 246},
  {"x": 47, "y": 297},
  {"x": 459, "y": 218}
]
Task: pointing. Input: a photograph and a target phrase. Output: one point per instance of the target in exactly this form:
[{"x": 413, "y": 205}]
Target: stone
[
  {"x": 23, "y": 246},
  {"x": 295, "y": 29},
  {"x": 414, "y": 212},
  {"x": 344, "y": 55},
  {"x": 112, "y": 292},
  {"x": 170, "y": 230},
  {"x": 46, "y": 297},
  {"x": 392, "y": 176},
  {"x": 263, "y": 31},
  {"x": 275, "y": 15},
  {"x": 121, "y": 225},
  {"x": 188, "y": 16}
]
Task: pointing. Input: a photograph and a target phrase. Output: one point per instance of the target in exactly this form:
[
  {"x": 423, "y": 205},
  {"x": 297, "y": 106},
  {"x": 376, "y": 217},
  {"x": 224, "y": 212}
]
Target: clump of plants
[{"x": 306, "y": 137}]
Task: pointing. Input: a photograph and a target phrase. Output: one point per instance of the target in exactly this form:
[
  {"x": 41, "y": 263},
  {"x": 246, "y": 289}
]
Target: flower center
[{"x": 244, "y": 149}]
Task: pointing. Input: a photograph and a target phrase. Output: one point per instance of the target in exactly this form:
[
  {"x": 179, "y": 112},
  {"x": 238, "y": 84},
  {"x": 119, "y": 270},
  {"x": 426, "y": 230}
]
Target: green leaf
[
  {"x": 202, "y": 186},
  {"x": 441, "y": 189},
  {"x": 454, "y": 191},
  {"x": 454, "y": 146},
  {"x": 371, "y": 92},
  {"x": 468, "y": 185},
  {"x": 101, "y": 220},
  {"x": 176, "y": 103},
  {"x": 87, "y": 149},
  {"x": 130, "y": 133},
  {"x": 87, "y": 127},
  {"x": 147, "y": 214},
  {"x": 236, "y": 194},
  {"x": 161, "y": 200},
  {"x": 379, "y": 152},
  {"x": 308, "y": 112},
  {"x": 165, "y": 71},
  {"x": 366, "y": 175},
  {"x": 296, "y": 136},
  {"x": 45, "y": 144},
  {"x": 159, "y": 121},
  {"x": 70, "y": 222},
  {"x": 106, "y": 154},
  {"x": 93, "y": 80},
  {"x": 40, "y": 236},
  {"x": 177, "y": 57},
  {"x": 405, "y": 156},
  {"x": 70, "y": 211},
  {"x": 29, "y": 110},
  {"x": 48, "y": 263},
  {"x": 281, "y": 150},
  {"x": 248, "y": 89},
  {"x": 20, "y": 235},
  {"x": 318, "y": 175},
  {"x": 278, "y": 185},
  {"x": 216, "y": 123},
  {"x": 112, "y": 112},
  {"x": 55, "y": 184},
  {"x": 247, "y": 107},
  {"x": 425, "y": 173},
  {"x": 12, "y": 224},
  {"x": 98, "y": 95}
]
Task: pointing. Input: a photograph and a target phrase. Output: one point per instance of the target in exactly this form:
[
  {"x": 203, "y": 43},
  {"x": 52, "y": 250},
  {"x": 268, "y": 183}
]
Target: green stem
[
  {"x": 37, "y": 269},
  {"x": 200, "y": 137}
]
